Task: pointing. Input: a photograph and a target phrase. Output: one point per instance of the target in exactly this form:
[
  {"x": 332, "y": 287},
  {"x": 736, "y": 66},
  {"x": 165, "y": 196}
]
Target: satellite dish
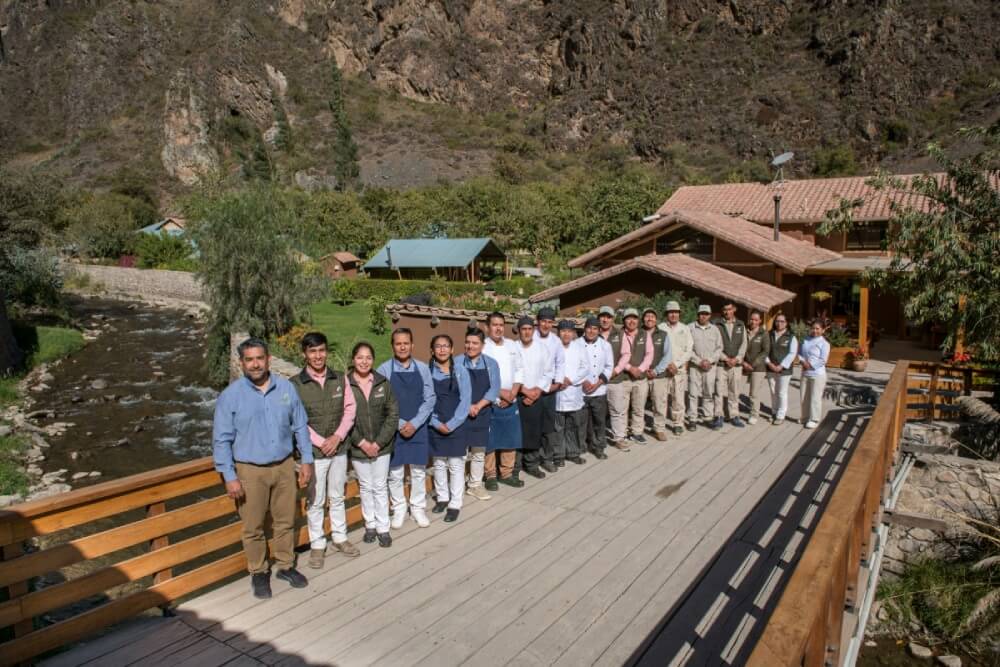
[{"x": 782, "y": 159}]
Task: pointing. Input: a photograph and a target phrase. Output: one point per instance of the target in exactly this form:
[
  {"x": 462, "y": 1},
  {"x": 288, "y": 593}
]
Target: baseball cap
[
  {"x": 606, "y": 310},
  {"x": 630, "y": 312},
  {"x": 546, "y": 314},
  {"x": 525, "y": 321},
  {"x": 592, "y": 322},
  {"x": 704, "y": 308},
  {"x": 565, "y": 324},
  {"x": 672, "y": 305}
]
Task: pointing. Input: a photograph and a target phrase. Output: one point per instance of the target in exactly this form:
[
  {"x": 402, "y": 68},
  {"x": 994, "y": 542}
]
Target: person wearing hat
[
  {"x": 600, "y": 366},
  {"x": 545, "y": 333},
  {"x": 706, "y": 350},
  {"x": 505, "y": 420},
  {"x": 755, "y": 362},
  {"x": 606, "y": 319},
  {"x": 729, "y": 376},
  {"x": 571, "y": 421},
  {"x": 537, "y": 371},
  {"x": 656, "y": 376},
  {"x": 629, "y": 386},
  {"x": 675, "y": 369}
]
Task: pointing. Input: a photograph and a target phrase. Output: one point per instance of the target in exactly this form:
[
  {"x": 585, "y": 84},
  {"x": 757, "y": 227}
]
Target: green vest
[
  {"x": 376, "y": 419},
  {"x": 638, "y": 351},
  {"x": 780, "y": 346},
  {"x": 731, "y": 346},
  {"x": 658, "y": 337},
  {"x": 324, "y": 405},
  {"x": 758, "y": 347}
]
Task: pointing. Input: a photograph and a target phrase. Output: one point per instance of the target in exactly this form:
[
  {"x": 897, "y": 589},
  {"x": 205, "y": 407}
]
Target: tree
[
  {"x": 345, "y": 151},
  {"x": 102, "y": 225},
  {"x": 251, "y": 279},
  {"x": 944, "y": 236},
  {"x": 283, "y": 139},
  {"x": 258, "y": 165}
]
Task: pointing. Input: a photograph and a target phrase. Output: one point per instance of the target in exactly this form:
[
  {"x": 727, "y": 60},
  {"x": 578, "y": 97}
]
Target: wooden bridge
[{"x": 743, "y": 546}]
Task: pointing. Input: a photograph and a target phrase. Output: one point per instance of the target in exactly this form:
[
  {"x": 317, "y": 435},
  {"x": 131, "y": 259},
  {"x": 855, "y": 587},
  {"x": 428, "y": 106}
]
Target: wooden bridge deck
[{"x": 592, "y": 565}]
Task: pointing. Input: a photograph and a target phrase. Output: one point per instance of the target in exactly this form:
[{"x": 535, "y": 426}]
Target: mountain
[{"x": 439, "y": 89}]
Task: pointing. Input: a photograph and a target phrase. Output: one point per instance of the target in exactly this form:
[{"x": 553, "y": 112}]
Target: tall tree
[
  {"x": 944, "y": 235},
  {"x": 345, "y": 151}
]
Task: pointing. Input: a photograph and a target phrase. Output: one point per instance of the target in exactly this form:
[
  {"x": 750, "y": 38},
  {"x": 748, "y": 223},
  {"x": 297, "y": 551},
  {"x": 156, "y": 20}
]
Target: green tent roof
[{"x": 433, "y": 253}]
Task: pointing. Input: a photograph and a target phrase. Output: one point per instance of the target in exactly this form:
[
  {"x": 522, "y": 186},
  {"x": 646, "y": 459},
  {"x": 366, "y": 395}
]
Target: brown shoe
[
  {"x": 622, "y": 445},
  {"x": 661, "y": 436},
  {"x": 346, "y": 548},
  {"x": 316, "y": 558}
]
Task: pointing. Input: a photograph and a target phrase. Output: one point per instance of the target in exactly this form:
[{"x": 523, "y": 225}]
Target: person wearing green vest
[
  {"x": 755, "y": 362},
  {"x": 330, "y": 407},
  {"x": 729, "y": 377},
  {"x": 372, "y": 438},
  {"x": 629, "y": 386},
  {"x": 784, "y": 349},
  {"x": 659, "y": 380}
]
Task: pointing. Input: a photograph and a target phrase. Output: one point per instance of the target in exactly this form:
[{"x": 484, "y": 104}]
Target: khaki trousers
[
  {"x": 268, "y": 489},
  {"x": 758, "y": 390},
  {"x": 659, "y": 390},
  {"x": 507, "y": 458},
  {"x": 701, "y": 386},
  {"x": 812, "y": 398},
  {"x": 627, "y": 407},
  {"x": 677, "y": 389},
  {"x": 728, "y": 383}
]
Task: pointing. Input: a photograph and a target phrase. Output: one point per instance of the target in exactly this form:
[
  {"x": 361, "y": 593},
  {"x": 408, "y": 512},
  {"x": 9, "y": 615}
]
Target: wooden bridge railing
[
  {"x": 127, "y": 524},
  {"x": 808, "y": 624},
  {"x": 933, "y": 388}
]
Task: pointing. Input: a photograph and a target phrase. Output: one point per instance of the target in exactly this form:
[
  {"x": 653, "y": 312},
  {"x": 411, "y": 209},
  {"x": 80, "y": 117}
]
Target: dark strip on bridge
[{"x": 722, "y": 614}]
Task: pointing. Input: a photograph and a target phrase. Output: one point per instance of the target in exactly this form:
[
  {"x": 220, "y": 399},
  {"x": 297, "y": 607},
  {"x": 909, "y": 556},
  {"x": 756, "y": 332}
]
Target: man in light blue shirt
[
  {"x": 813, "y": 354},
  {"x": 257, "y": 418}
]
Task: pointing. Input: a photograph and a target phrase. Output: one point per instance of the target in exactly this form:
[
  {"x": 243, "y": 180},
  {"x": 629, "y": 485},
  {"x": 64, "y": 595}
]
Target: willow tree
[
  {"x": 345, "y": 151},
  {"x": 945, "y": 243}
]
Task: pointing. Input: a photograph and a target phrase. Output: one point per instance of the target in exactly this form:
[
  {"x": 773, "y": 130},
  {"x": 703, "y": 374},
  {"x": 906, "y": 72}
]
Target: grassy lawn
[
  {"x": 12, "y": 477},
  {"x": 346, "y": 325},
  {"x": 41, "y": 344}
]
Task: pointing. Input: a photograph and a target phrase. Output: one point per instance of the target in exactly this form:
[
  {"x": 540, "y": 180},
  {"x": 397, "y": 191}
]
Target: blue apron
[
  {"x": 408, "y": 387},
  {"x": 448, "y": 398},
  {"x": 505, "y": 428},
  {"x": 477, "y": 429}
]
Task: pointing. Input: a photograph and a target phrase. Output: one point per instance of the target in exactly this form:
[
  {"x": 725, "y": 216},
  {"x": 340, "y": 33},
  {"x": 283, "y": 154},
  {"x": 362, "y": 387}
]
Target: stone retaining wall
[{"x": 141, "y": 283}]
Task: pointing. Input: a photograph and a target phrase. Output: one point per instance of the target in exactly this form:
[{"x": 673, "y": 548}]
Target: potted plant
[{"x": 859, "y": 358}]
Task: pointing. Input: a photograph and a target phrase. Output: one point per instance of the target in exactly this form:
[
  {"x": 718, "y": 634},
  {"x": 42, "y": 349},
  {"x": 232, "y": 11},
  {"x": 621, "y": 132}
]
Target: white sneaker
[
  {"x": 478, "y": 492},
  {"x": 398, "y": 519},
  {"x": 752, "y": 421},
  {"x": 811, "y": 424},
  {"x": 421, "y": 518}
]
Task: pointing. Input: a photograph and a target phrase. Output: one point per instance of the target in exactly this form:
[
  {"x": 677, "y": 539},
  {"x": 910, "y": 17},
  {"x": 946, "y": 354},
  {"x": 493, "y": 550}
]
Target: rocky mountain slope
[{"x": 437, "y": 88}]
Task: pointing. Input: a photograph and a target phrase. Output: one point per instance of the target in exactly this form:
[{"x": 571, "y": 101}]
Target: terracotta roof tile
[
  {"x": 789, "y": 253},
  {"x": 688, "y": 271}
]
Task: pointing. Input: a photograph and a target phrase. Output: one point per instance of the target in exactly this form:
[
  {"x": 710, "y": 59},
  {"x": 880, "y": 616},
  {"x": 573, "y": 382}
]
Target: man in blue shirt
[{"x": 256, "y": 419}]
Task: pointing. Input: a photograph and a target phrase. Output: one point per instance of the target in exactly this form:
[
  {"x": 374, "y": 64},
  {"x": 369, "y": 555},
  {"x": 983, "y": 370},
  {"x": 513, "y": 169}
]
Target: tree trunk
[{"x": 11, "y": 356}]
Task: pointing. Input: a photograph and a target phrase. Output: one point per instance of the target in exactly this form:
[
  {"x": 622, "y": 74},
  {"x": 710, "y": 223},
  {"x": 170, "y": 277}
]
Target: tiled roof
[
  {"x": 788, "y": 253},
  {"x": 688, "y": 271},
  {"x": 461, "y": 314},
  {"x": 804, "y": 201},
  {"x": 343, "y": 257}
]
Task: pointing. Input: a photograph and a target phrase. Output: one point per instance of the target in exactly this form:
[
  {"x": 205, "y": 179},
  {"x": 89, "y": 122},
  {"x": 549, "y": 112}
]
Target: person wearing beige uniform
[
  {"x": 706, "y": 350},
  {"x": 681, "y": 345},
  {"x": 755, "y": 363},
  {"x": 729, "y": 376}
]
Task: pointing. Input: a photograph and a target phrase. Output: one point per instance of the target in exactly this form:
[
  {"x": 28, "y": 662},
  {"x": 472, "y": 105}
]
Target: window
[
  {"x": 687, "y": 241},
  {"x": 870, "y": 236}
]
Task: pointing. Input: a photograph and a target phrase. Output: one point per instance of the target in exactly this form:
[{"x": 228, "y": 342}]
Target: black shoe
[
  {"x": 293, "y": 577},
  {"x": 691, "y": 426},
  {"x": 260, "y": 584},
  {"x": 716, "y": 424},
  {"x": 535, "y": 472},
  {"x": 550, "y": 467},
  {"x": 737, "y": 422},
  {"x": 384, "y": 540},
  {"x": 439, "y": 507},
  {"x": 640, "y": 439},
  {"x": 369, "y": 535},
  {"x": 491, "y": 484},
  {"x": 513, "y": 480},
  {"x": 599, "y": 454},
  {"x": 579, "y": 460},
  {"x": 678, "y": 430},
  {"x": 451, "y": 515}
]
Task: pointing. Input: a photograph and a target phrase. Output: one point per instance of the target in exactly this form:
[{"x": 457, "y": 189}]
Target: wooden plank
[
  {"x": 109, "y": 541},
  {"x": 16, "y": 591},
  {"x": 166, "y": 639},
  {"x": 127, "y": 633},
  {"x": 915, "y": 520}
]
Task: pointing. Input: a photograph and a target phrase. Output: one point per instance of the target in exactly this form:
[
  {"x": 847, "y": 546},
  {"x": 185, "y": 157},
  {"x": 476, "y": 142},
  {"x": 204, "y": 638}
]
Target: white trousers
[
  {"x": 327, "y": 483},
  {"x": 418, "y": 488},
  {"x": 373, "y": 487},
  {"x": 449, "y": 480},
  {"x": 779, "y": 394},
  {"x": 477, "y": 466},
  {"x": 812, "y": 397}
]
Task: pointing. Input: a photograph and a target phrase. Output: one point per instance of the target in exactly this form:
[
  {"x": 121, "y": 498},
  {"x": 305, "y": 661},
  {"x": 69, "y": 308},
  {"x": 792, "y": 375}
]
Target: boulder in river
[
  {"x": 99, "y": 384},
  {"x": 80, "y": 475},
  {"x": 920, "y": 651}
]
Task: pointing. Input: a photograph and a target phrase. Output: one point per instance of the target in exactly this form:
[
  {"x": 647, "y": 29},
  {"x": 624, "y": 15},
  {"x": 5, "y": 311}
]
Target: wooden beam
[
  {"x": 960, "y": 336},
  {"x": 863, "y": 318}
]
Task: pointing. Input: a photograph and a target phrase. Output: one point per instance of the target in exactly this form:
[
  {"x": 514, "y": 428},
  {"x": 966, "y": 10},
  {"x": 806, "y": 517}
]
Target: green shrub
[
  {"x": 835, "y": 160},
  {"x": 158, "y": 251},
  {"x": 394, "y": 290},
  {"x": 33, "y": 277},
  {"x": 102, "y": 225},
  {"x": 838, "y": 336},
  {"x": 519, "y": 286},
  {"x": 340, "y": 291},
  {"x": 689, "y": 305},
  {"x": 376, "y": 315}
]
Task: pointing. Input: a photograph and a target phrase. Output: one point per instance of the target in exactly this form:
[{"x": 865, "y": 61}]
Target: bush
[
  {"x": 34, "y": 277},
  {"x": 393, "y": 291},
  {"x": 158, "y": 251},
  {"x": 520, "y": 286},
  {"x": 836, "y": 160},
  {"x": 689, "y": 306},
  {"x": 838, "y": 336},
  {"x": 102, "y": 225},
  {"x": 376, "y": 315},
  {"x": 288, "y": 346}
]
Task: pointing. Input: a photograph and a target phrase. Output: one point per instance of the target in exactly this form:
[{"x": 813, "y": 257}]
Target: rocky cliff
[{"x": 89, "y": 85}]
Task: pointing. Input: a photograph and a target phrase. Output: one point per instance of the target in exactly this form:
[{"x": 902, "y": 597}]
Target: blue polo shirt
[{"x": 258, "y": 427}]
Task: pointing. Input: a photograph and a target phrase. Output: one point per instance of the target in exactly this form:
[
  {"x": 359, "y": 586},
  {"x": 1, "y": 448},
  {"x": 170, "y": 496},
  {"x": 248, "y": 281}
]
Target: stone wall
[
  {"x": 141, "y": 283},
  {"x": 279, "y": 366}
]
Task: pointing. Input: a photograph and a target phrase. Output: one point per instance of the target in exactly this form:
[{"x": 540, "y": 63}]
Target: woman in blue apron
[
  {"x": 484, "y": 376},
  {"x": 411, "y": 383},
  {"x": 449, "y": 446}
]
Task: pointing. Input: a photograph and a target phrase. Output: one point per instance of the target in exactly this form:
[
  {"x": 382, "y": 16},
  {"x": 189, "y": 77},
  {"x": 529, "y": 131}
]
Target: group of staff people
[{"x": 526, "y": 404}]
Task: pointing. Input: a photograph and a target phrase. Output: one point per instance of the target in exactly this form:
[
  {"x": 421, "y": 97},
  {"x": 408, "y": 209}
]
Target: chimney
[
  {"x": 777, "y": 216},
  {"x": 388, "y": 252}
]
